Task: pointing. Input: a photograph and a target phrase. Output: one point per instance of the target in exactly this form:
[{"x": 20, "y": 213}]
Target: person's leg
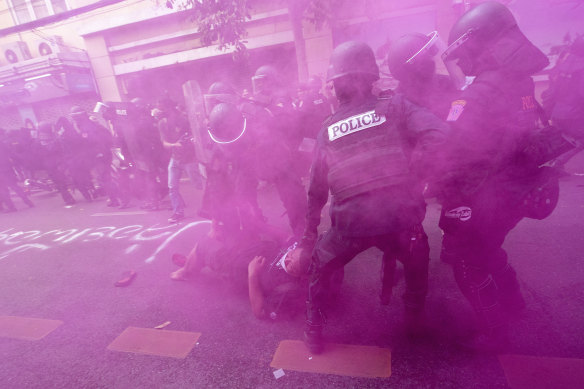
[
  {"x": 5, "y": 198},
  {"x": 60, "y": 180},
  {"x": 192, "y": 170},
  {"x": 176, "y": 200},
  {"x": 192, "y": 266},
  {"x": 332, "y": 252},
  {"x": 388, "y": 267},
  {"x": 294, "y": 199},
  {"x": 104, "y": 174},
  {"x": 18, "y": 190},
  {"x": 415, "y": 256},
  {"x": 468, "y": 245},
  {"x": 81, "y": 176}
]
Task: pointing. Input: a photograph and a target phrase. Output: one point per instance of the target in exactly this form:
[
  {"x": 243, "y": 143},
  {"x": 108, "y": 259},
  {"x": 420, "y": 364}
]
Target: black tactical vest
[{"x": 364, "y": 151}]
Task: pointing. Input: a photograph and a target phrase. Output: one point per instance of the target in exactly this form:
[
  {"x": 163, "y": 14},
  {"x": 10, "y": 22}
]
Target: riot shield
[{"x": 195, "y": 107}]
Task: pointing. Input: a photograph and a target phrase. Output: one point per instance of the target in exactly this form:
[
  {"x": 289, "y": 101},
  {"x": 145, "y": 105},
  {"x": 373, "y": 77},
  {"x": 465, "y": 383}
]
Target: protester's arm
[
  {"x": 256, "y": 294},
  {"x": 430, "y": 135},
  {"x": 318, "y": 191}
]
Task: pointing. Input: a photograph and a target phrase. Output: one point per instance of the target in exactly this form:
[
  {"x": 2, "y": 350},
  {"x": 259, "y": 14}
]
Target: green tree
[{"x": 223, "y": 22}]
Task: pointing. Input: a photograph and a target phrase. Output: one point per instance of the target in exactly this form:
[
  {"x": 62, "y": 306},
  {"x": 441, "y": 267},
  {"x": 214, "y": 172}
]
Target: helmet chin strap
[{"x": 229, "y": 141}]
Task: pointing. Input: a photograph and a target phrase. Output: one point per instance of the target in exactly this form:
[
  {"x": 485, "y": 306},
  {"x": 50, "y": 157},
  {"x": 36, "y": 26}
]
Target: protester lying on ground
[
  {"x": 226, "y": 251},
  {"x": 276, "y": 279}
]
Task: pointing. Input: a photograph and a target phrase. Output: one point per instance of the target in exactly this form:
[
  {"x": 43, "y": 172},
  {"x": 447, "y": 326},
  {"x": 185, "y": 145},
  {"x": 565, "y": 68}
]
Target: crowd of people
[{"x": 477, "y": 140}]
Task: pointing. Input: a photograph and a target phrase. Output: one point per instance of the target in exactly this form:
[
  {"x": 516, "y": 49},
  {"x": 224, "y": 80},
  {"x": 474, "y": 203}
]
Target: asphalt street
[{"x": 61, "y": 264}]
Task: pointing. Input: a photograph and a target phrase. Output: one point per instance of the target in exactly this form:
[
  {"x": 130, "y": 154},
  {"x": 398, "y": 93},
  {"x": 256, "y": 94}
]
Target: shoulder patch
[
  {"x": 461, "y": 213},
  {"x": 354, "y": 124},
  {"x": 456, "y": 109}
]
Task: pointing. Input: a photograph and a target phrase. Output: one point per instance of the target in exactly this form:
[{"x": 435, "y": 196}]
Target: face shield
[
  {"x": 260, "y": 84},
  {"x": 457, "y": 61},
  {"x": 432, "y": 53}
]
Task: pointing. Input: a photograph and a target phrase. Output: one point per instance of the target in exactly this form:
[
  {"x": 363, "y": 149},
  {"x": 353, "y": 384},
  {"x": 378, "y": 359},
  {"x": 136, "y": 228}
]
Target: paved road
[{"x": 60, "y": 264}]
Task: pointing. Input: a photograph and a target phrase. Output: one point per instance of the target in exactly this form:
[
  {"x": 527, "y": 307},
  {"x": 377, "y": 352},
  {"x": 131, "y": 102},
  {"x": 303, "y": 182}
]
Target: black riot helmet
[
  {"x": 414, "y": 55},
  {"x": 314, "y": 83},
  {"x": 219, "y": 92},
  {"x": 487, "y": 37},
  {"x": 352, "y": 58},
  {"x": 78, "y": 114},
  {"x": 226, "y": 124},
  {"x": 265, "y": 79}
]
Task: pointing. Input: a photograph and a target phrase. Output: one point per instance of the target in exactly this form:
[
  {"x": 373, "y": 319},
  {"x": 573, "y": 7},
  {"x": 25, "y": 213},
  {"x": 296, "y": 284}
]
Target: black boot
[
  {"x": 491, "y": 340},
  {"x": 415, "y": 323},
  {"x": 313, "y": 329}
]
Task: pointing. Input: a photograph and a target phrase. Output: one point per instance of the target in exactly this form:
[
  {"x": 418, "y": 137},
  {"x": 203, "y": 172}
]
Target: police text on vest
[{"x": 354, "y": 124}]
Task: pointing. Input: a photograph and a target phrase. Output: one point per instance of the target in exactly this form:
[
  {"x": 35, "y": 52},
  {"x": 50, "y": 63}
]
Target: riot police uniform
[
  {"x": 564, "y": 100},
  {"x": 412, "y": 61},
  {"x": 361, "y": 159},
  {"x": 270, "y": 121},
  {"x": 98, "y": 143},
  {"x": 488, "y": 177},
  {"x": 312, "y": 109}
]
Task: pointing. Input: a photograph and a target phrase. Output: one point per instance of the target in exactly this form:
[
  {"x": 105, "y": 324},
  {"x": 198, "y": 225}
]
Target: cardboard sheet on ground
[
  {"x": 176, "y": 344},
  {"x": 339, "y": 359},
  {"x": 529, "y": 372},
  {"x": 28, "y": 328}
]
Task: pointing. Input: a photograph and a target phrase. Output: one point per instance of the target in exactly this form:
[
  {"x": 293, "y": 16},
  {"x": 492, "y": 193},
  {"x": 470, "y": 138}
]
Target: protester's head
[{"x": 297, "y": 262}]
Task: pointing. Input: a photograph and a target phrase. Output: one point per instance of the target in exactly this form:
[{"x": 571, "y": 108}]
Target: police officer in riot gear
[
  {"x": 271, "y": 123},
  {"x": 98, "y": 142},
  {"x": 564, "y": 100},
  {"x": 412, "y": 60},
  {"x": 361, "y": 159},
  {"x": 219, "y": 92},
  {"x": 488, "y": 177},
  {"x": 312, "y": 106},
  {"x": 230, "y": 190},
  {"x": 312, "y": 109}
]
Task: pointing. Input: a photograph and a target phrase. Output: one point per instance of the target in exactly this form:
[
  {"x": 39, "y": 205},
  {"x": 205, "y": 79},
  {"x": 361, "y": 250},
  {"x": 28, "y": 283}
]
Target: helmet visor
[
  {"x": 451, "y": 57},
  {"x": 260, "y": 83}
]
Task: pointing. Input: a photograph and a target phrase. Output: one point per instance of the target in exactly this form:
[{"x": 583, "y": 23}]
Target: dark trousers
[
  {"x": 474, "y": 232},
  {"x": 334, "y": 251},
  {"x": 293, "y": 197}
]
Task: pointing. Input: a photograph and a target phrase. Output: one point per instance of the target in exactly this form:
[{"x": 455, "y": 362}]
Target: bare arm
[{"x": 256, "y": 295}]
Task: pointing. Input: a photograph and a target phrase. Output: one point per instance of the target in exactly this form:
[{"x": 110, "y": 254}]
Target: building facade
[{"x": 140, "y": 48}]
